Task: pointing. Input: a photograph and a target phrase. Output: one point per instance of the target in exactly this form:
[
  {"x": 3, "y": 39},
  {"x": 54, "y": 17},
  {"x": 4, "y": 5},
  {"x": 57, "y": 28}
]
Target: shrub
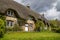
[
  {"x": 9, "y": 29},
  {"x": 39, "y": 26},
  {"x": 58, "y": 30},
  {"x": 17, "y": 28},
  {"x": 55, "y": 25},
  {"x": 1, "y": 28}
]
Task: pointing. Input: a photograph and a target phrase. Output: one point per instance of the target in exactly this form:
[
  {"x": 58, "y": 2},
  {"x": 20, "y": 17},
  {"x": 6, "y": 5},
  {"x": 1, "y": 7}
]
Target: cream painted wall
[{"x": 12, "y": 19}]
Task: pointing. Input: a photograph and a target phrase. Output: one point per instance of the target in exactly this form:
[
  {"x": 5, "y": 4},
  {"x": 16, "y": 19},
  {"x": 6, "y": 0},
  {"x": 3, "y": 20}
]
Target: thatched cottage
[{"x": 16, "y": 13}]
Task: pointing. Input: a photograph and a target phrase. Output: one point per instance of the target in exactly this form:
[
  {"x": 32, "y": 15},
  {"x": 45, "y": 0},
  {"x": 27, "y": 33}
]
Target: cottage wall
[
  {"x": 11, "y": 19},
  {"x": 31, "y": 25}
]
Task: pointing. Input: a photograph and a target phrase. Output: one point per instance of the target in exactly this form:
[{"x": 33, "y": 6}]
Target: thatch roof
[{"x": 22, "y": 11}]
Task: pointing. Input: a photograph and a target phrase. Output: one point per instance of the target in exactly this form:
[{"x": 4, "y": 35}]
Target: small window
[
  {"x": 31, "y": 25},
  {"x": 9, "y": 23},
  {"x": 26, "y": 25},
  {"x": 10, "y": 13}
]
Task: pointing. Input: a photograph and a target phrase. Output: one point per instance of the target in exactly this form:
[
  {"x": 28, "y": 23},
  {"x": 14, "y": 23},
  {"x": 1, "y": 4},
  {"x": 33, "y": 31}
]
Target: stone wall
[{"x": 11, "y": 19}]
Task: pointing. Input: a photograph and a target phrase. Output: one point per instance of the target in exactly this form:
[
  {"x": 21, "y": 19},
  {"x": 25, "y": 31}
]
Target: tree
[
  {"x": 55, "y": 25},
  {"x": 39, "y": 25},
  {"x": 1, "y": 28}
]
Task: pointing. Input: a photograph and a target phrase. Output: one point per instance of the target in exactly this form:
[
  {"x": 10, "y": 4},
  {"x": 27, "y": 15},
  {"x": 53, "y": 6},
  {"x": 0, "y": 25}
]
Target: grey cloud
[
  {"x": 40, "y": 5},
  {"x": 58, "y": 6},
  {"x": 43, "y": 6}
]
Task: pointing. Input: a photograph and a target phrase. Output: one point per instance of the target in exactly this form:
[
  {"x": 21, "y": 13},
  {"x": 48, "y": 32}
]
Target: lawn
[{"x": 31, "y": 36}]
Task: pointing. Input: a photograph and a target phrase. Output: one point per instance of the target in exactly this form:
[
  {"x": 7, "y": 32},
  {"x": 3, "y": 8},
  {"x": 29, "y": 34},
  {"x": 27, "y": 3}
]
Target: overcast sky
[{"x": 51, "y": 8}]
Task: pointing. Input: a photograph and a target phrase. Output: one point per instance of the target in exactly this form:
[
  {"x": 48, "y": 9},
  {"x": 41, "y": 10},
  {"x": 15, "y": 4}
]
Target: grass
[{"x": 31, "y": 36}]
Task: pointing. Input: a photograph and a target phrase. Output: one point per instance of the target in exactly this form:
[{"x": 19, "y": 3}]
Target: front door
[{"x": 26, "y": 27}]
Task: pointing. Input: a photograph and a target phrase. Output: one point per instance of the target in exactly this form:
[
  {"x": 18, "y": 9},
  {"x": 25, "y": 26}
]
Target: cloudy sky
[{"x": 50, "y": 8}]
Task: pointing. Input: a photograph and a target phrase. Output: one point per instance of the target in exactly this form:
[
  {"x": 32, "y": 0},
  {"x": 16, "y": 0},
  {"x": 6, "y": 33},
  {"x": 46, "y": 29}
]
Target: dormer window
[{"x": 10, "y": 13}]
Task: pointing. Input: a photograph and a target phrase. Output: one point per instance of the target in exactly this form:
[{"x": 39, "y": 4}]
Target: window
[
  {"x": 9, "y": 23},
  {"x": 31, "y": 26},
  {"x": 10, "y": 13},
  {"x": 26, "y": 25}
]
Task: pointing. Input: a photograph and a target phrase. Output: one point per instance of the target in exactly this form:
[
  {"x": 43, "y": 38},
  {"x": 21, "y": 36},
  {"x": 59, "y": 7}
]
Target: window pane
[
  {"x": 10, "y": 13},
  {"x": 9, "y": 23},
  {"x": 30, "y": 24}
]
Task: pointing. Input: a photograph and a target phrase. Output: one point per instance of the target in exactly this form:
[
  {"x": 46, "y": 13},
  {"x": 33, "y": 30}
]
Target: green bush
[
  {"x": 9, "y": 29},
  {"x": 17, "y": 28},
  {"x": 58, "y": 30},
  {"x": 55, "y": 25},
  {"x": 39, "y": 26},
  {"x": 1, "y": 28}
]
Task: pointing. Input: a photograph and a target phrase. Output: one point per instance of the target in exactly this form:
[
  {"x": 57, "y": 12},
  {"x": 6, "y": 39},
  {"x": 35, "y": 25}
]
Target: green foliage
[
  {"x": 55, "y": 25},
  {"x": 2, "y": 17},
  {"x": 58, "y": 30},
  {"x": 2, "y": 28},
  {"x": 39, "y": 25},
  {"x": 9, "y": 29},
  {"x": 17, "y": 28}
]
